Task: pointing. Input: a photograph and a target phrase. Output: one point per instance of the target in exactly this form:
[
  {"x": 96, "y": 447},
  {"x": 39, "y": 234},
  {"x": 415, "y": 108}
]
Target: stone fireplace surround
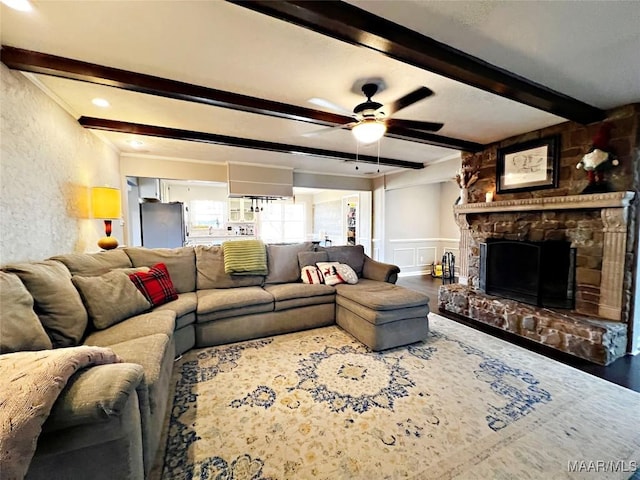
[{"x": 596, "y": 225}]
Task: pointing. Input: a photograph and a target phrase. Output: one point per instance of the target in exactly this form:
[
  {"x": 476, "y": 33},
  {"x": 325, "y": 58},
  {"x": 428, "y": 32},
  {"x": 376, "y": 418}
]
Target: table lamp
[{"x": 105, "y": 204}]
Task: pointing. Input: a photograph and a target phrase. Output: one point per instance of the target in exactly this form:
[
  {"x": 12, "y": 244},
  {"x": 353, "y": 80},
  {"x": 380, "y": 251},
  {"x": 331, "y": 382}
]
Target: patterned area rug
[{"x": 319, "y": 405}]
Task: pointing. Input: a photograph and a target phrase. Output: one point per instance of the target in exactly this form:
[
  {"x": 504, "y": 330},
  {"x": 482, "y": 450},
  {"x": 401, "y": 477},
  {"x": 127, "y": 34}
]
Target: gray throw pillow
[
  {"x": 20, "y": 328},
  {"x": 306, "y": 259},
  {"x": 282, "y": 261},
  {"x": 56, "y": 301},
  {"x": 110, "y": 298}
]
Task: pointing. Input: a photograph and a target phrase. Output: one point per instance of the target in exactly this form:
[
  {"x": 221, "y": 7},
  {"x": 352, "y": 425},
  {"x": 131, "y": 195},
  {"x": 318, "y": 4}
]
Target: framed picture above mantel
[{"x": 528, "y": 166}]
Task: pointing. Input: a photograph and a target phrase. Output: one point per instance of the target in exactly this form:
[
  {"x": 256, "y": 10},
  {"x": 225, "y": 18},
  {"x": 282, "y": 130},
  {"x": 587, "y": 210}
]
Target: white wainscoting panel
[
  {"x": 426, "y": 256},
  {"x": 404, "y": 257}
]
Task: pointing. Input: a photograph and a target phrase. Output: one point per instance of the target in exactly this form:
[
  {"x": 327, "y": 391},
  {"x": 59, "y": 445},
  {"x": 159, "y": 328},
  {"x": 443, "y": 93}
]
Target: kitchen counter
[{"x": 215, "y": 239}]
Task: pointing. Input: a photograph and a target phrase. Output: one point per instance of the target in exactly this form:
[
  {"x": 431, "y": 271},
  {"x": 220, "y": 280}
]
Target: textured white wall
[
  {"x": 449, "y": 193},
  {"x": 47, "y": 163}
]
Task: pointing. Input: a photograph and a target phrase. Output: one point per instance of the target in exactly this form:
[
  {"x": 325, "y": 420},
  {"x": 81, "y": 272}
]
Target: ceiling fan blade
[
  {"x": 409, "y": 99},
  {"x": 328, "y": 129},
  {"x": 321, "y": 102},
  {"x": 414, "y": 124}
]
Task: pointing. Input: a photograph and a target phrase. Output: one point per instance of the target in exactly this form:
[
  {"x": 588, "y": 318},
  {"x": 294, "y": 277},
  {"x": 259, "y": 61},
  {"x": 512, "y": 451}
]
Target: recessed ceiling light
[
  {"x": 136, "y": 143},
  {"x": 100, "y": 102},
  {"x": 21, "y": 5}
]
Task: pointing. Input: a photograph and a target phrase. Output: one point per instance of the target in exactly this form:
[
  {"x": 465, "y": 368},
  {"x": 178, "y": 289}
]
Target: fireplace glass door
[{"x": 538, "y": 273}]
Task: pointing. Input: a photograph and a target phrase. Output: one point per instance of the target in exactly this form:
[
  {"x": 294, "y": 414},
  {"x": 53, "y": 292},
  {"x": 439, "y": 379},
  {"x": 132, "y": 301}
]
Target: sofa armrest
[
  {"x": 383, "y": 272},
  {"x": 94, "y": 395}
]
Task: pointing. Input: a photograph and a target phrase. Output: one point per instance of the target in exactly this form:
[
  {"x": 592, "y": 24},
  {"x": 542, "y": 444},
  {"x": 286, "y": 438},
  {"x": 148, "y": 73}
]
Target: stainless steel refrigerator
[{"x": 162, "y": 224}]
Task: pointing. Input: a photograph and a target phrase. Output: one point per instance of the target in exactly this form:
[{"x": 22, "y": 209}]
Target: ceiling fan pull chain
[
  {"x": 379, "y": 140},
  {"x": 357, "y": 152}
]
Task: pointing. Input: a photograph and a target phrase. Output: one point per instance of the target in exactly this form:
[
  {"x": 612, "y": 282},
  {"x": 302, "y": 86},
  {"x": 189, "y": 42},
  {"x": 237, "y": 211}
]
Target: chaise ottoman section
[{"x": 382, "y": 315}]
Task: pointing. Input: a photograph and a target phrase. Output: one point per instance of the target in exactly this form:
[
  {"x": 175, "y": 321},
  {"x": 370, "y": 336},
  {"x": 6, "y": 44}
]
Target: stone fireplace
[{"x": 596, "y": 227}]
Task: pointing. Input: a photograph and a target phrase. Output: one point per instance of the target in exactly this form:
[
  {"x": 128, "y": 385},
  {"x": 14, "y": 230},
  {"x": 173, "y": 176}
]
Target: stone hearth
[
  {"x": 596, "y": 340},
  {"x": 596, "y": 225}
]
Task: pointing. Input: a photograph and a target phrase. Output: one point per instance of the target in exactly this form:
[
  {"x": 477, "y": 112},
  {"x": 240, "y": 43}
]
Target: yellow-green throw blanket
[
  {"x": 30, "y": 383},
  {"x": 245, "y": 257}
]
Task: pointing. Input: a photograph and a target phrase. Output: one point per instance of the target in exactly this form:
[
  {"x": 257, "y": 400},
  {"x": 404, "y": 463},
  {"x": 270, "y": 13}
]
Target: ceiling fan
[{"x": 372, "y": 119}]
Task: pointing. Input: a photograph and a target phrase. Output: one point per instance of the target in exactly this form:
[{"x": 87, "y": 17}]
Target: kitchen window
[
  {"x": 282, "y": 222},
  {"x": 207, "y": 214}
]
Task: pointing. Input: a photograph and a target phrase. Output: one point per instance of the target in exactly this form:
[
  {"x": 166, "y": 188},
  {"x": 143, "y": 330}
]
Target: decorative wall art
[{"x": 527, "y": 166}]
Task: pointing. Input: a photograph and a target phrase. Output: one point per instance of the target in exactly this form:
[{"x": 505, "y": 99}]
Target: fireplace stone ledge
[{"x": 593, "y": 339}]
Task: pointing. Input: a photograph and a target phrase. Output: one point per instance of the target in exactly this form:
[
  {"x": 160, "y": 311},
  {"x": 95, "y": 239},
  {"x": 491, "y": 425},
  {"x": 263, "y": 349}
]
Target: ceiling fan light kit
[{"x": 369, "y": 130}]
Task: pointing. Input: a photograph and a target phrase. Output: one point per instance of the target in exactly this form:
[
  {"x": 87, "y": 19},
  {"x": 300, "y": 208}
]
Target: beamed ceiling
[{"x": 231, "y": 81}]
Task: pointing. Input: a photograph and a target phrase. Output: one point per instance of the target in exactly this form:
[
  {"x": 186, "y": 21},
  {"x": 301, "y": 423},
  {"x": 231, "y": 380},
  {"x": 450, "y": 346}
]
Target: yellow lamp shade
[{"x": 105, "y": 202}]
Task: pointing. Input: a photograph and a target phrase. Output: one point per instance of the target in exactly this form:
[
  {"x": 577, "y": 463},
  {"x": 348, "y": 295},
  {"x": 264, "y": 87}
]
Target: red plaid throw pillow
[{"x": 155, "y": 285}]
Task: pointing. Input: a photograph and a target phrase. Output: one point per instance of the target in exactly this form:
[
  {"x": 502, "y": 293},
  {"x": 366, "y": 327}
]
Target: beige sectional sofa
[{"x": 107, "y": 421}]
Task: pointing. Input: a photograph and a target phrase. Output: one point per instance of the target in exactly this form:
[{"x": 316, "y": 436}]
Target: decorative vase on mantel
[{"x": 464, "y": 196}]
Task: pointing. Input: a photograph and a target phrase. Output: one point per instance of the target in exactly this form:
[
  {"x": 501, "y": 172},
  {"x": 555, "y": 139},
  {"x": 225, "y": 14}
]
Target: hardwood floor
[{"x": 625, "y": 371}]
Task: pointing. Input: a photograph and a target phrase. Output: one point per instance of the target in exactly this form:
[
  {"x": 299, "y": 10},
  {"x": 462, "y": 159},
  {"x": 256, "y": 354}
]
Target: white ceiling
[{"x": 587, "y": 50}]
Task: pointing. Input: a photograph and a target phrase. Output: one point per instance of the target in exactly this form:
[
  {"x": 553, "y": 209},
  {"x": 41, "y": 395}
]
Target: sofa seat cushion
[
  {"x": 288, "y": 291},
  {"x": 184, "y": 304},
  {"x": 135, "y": 327},
  {"x": 380, "y": 317},
  {"x": 382, "y": 296},
  {"x": 294, "y": 295},
  {"x": 180, "y": 263},
  {"x": 151, "y": 353},
  {"x": 226, "y": 302},
  {"x": 94, "y": 394}
]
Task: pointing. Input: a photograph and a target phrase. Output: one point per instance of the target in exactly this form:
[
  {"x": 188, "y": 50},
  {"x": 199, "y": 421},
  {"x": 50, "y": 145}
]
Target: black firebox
[{"x": 537, "y": 273}]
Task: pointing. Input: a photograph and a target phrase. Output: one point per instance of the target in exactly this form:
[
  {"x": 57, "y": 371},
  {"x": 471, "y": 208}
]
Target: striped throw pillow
[{"x": 311, "y": 274}]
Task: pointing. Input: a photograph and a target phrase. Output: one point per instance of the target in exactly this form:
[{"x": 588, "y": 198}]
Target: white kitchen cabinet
[{"x": 240, "y": 210}]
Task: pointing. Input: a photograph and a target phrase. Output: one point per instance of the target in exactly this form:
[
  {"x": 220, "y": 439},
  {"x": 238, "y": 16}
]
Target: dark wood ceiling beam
[
  {"x": 42, "y": 63},
  {"x": 353, "y": 25},
  {"x": 213, "y": 138}
]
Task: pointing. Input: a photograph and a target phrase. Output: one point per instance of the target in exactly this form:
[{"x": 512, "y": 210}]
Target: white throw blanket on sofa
[{"x": 30, "y": 383}]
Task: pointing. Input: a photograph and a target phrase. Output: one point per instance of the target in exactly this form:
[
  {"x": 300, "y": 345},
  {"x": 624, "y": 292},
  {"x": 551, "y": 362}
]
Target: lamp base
[{"x": 107, "y": 243}]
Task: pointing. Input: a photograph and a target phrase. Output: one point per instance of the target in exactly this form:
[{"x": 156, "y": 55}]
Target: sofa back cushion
[
  {"x": 180, "y": 263},
  {"x": 210, "y": 271},
  {"x": 89, "y": 264},
  {"x": 20, "y": 328},
  {"x": 282, "y": 262},
  {"x": 352, "y": 255},
  {"x": 306, "y": 259},
  {"x": 110, "y": 298},
  {"x": 56, "y": 301}
]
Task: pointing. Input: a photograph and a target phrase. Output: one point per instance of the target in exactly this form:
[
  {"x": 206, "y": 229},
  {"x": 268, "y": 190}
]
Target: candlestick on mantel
[{"x": 488, "y": 197}]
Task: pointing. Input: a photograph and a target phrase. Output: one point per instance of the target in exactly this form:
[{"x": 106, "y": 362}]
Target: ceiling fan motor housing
[{"x": 368, "y": 108}]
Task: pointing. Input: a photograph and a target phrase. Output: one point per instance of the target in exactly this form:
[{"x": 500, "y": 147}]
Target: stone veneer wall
[{"x": 585, "y": 228}]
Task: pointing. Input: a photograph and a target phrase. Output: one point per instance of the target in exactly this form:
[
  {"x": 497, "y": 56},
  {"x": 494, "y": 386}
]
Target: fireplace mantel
[{"x": 570, "y": 202}]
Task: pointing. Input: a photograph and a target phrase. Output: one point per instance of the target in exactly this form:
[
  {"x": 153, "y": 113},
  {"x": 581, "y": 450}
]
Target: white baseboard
[{"x": 417, "y": 273}]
